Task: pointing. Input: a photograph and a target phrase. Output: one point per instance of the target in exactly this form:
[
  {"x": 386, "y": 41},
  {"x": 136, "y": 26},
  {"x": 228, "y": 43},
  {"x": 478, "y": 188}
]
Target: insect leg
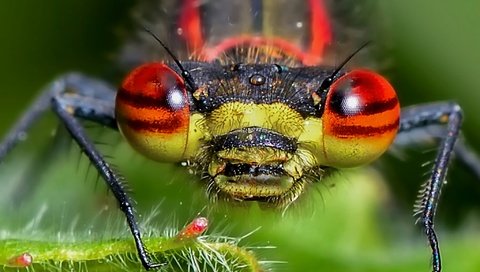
[
  {"x": 73, "y": 96},
  {"x": 422, "y": 116},
  {"x": 65, "y": 112},
  {"x": 80, "y": 84},
  {"x": 100, "y": 96},
  {"x": 430, "y": 134}
]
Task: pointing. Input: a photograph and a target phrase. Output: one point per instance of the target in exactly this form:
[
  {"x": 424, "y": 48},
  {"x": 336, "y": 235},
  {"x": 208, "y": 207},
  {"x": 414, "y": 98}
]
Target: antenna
[
  {"x": 185, "y": 74},
  {"x": 323, "y": 89}
]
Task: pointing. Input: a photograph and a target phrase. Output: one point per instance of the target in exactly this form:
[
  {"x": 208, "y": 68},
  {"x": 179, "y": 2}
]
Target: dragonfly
[{"x": 249, "y": 104}]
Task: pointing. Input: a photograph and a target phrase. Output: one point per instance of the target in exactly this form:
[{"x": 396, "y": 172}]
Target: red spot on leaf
[
  {"x": 194, "y": 229},
  {"x": 22, "y": 260}
]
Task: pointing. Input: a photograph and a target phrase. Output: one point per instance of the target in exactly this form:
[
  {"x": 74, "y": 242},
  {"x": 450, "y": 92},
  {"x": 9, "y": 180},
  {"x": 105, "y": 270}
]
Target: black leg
[
  {"x": 114, "y": 181},
  {"x": 421, "y": 117},
  {"x": 430, "y": 134},
  {"x": 69, "y": 84},
  {"x": 94, "y": 101},
  {"x": 74, "y": 96}
]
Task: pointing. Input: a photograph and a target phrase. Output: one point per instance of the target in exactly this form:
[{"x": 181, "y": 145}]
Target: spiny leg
[
  {"x": 427, "y": 135},
  {"x": 72, "y": 96},
  {"x": 423, "y": 116},
  {"x": 77, "y": 83},
  {"x": 97, "y": 95},
  {"x": 114, "y": 181}
]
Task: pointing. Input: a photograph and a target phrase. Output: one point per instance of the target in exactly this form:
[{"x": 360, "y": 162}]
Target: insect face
[
  {"x": 257, "y": 131},
  {"x": 252, "y": 107}
]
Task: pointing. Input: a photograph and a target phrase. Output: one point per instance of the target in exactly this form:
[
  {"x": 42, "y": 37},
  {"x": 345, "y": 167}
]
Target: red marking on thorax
[
  {"x": 190, "y": 23},
  {"x": 320, "y": 36}
]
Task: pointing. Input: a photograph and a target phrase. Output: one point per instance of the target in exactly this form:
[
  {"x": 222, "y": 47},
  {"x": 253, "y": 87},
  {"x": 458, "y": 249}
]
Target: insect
[{"x": 256, "y": 116}]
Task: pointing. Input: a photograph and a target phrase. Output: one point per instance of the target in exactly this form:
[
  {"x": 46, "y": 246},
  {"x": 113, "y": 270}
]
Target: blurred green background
[{"x": 362, "y": 224}]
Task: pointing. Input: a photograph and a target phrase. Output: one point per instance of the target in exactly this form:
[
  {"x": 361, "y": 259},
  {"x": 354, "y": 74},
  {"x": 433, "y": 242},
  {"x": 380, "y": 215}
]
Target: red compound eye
[
  {"x": 360, "y": 120},
  {"x": 153, "y": 113}
]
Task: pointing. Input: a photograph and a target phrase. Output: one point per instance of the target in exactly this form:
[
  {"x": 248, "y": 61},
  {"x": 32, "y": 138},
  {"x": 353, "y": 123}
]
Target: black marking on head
[
  {"x": 253, "y": 170},
  {"x": 233, "y": 83},
  {"x": 254, "y": 137}
]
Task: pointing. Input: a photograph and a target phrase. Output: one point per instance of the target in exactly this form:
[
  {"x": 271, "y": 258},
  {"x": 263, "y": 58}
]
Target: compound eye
[
  {"x": 153, "y": 113},
  {"x": 360, "y": 120}
]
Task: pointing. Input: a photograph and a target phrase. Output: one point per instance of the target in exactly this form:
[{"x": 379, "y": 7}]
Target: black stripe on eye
[
  {"x": 344, "y": 103},
  {"x": 355, "y": 131}
]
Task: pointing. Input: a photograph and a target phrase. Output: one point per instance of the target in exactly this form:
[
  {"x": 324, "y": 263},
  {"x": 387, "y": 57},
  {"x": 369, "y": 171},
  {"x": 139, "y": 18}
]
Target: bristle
[{"x": 421, "y": 202}]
